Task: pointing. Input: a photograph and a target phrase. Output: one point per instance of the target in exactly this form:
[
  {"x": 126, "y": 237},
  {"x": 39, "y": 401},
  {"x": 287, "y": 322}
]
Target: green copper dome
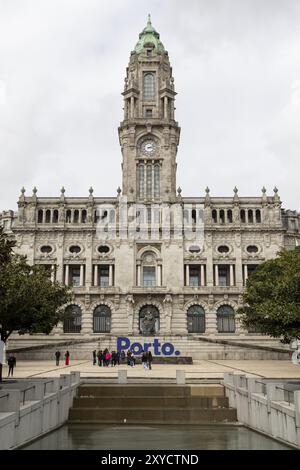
[{"x": 149, "y": 35}]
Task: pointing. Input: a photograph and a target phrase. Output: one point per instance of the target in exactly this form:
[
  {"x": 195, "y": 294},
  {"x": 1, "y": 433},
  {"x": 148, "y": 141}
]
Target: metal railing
[
  {"x": 26, "y": 390},
  {"x": 287, "y": 394},
  {"x": 4, "y": 396},
  {"x": 264, "y": 387}
]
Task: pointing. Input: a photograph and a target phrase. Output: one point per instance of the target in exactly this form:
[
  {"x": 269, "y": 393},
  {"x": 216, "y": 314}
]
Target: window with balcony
[
  {"x": 104, "y": 275},
  {"x": 149, "y": 278}
]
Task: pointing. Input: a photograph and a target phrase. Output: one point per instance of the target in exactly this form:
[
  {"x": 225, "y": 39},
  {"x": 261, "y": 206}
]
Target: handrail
[
  {"x": 4, "y": 396},
  {"x": 26, "y": 390},
  {"x": 45, "y": 383},
  {"x": 289, "y": 392}
]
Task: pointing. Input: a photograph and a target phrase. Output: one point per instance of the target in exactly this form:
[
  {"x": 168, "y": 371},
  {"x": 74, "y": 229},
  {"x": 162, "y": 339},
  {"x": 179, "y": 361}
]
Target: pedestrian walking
[
  {"x": 67, "y": 356},
  {"x": 118, "y": 358},
  {"x": 57, "y": 357},
  {"x": 12, "y": 361},
  {"x": 128, "y": 357},
  {"x": 94, "y": 357},
  {"x": 132, "y": 359}
]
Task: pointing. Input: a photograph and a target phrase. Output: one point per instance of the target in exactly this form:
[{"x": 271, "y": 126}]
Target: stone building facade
[{"x": 151, "y": 261}]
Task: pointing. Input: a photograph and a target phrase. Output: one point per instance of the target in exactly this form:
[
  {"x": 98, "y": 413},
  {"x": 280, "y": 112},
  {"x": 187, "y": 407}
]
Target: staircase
[{"x": 152, "y": 404}]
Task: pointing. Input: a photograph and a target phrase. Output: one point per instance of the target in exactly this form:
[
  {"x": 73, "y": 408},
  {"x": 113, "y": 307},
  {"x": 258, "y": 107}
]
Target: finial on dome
[
  {"x": 34, "y": 190},
  {"x": 207, "y": 190},
  {"x": 149, "y": 19},
  {"x": 23, "y": 191},
  {"x": 235, "y": 190},
  {"x": 91, "y": 190}
]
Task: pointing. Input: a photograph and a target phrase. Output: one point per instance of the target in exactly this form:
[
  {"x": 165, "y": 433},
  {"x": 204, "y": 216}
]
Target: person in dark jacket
[
  {"x": 94, "y": 357},
  {"x": 149, "y": 359},
  {"x": 144, "y": 359},
  {"x": 57, "y": 357},
  {"x": 100, "y": 358},
  {"x": 12, "y": 361}
]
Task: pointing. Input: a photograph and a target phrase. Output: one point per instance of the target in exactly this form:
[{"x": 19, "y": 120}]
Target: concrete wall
[
  {"x": 31, "y": 408},
  {"x": 264, "y": 406}
]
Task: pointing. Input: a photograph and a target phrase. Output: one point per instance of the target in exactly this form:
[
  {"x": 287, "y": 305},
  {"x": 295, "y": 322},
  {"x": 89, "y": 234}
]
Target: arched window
[
  {"x": 258, "y": 216},
  {"x": 226, "y": 319},
  {"x": 149, "y": 87},
  {"x": 76, "y": 216},
  {"x": 196, "y": 319},
  {"x": 48, "y": 216},
  {"x": 149, "y": 181},
  {"x": 141, "y": 180},
  {"x": 68, "y": 216},
  {"x": 243, "y": 216},
  {"x": 194, "y": 216},
  {"x": 55, "y": 216},
  {"x": 156, "y": 180},
  {"x": 214, "y": 216},
  {"x": 149, "y": 269},
  {"x": 250, "y": 216},
  {"x": 102, "y": 319},
  {"x": 72, "y": 324},
  {"x": 40, "y": 216},
  {"x": 222, "y": 216},
  {"x": 229, "y": 216},
  {"x": 83, "y": 216},
  {"x": 149, "y": 320}
]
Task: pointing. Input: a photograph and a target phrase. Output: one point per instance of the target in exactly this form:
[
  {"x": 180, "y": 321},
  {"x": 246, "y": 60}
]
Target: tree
[
  {"x": 29, "y": 301},
  {"x": 272, "y": 297}
]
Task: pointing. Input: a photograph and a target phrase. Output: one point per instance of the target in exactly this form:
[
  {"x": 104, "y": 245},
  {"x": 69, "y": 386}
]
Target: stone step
[
  {"x": 150, "y": 402},
  {"x": 153, "y": 415},
  {"x": 131, "y": 391}
]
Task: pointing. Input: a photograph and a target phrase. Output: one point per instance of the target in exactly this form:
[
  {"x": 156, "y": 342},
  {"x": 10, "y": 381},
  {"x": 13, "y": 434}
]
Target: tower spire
[{"x": 149, "y": 20}]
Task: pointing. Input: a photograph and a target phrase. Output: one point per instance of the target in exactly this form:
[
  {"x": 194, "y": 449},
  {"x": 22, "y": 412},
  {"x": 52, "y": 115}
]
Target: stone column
[
  {"x": 202, "y": 275},
  {"x": 231, "y": 275},
  {"x": 187, "y": 274},
  {"x": 132, "y": 107},
  {"x": 139, "y": 275},
  {"x": 158, "y": 275},
  {"x": 168, "y": 313},
  {"x": 216, "y": 274},
  {"x": 66, "y": 274},
  {"x": 129, "y": 310},
  {"x": 165, "y": 107},
  {"x": 245, "y": 273},
  {"x": 110, "y": 275},
  {"x": 96, "y": 275},
  {"x": 81, "y": 282},
  {"x": 53, "y": 273}
]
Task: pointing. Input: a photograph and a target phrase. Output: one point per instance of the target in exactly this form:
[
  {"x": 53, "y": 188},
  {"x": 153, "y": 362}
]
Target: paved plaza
[{"x": 200, "y": 369}]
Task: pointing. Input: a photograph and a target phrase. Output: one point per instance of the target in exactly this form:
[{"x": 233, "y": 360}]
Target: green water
[{"x": 124, "y": 437}]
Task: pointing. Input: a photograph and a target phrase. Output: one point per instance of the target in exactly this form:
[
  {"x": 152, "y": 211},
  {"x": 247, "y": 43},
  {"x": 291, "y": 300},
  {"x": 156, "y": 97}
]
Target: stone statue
[{"x": 148, "y": 323}]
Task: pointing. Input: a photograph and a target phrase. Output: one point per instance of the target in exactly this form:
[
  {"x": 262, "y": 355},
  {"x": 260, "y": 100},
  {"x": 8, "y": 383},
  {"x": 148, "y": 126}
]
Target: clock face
[{"x": 148, "y": 147}]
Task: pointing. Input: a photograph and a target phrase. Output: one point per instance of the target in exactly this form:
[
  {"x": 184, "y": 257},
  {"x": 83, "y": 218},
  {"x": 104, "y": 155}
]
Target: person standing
[
  {"x": 12, "y": 361},
  {"x": 123, "y": 356},
  {"x": 67, "y": 356},
  {"x": 145, "y": 359},
  {"x": 57, "y": 357},
  {"x": 94, "y": 357},
  {"x": 150, "y": 359}
]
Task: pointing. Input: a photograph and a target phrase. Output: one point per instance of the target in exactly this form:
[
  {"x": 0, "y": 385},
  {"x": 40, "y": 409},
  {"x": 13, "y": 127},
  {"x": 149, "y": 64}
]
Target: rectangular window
[
  {"x": 224, "y": 276},
  {"x": 194, "y": 276},
  {"x": 149, "y": 276},
  {"x": 104, "y": 275},
  {"x": 148, "y": 113},
  {"x": 74, "y": 276}
]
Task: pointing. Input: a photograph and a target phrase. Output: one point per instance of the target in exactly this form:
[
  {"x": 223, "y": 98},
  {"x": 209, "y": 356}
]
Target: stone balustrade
[
  {"x": 270, "y": 407},
  {"x": 30, "y": 408}
]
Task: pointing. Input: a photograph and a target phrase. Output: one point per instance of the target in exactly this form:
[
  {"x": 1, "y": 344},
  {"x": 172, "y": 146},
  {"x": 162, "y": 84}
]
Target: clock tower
[{"x": 149, "y": 134}]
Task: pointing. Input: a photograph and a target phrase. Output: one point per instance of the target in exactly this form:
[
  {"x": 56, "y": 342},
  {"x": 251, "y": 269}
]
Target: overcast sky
[{"x": 236, "y": 65}]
